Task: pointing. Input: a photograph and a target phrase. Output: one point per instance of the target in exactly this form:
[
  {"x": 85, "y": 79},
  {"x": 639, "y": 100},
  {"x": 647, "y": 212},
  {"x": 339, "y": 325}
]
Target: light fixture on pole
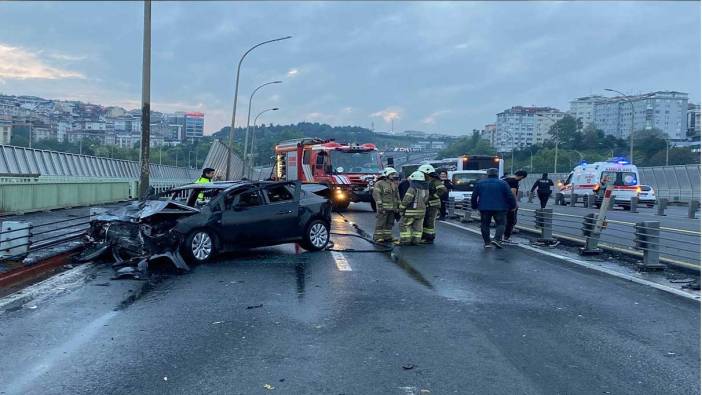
[
  {"x": 253, "y": 135},
  {"x": 248, "y": 119},
  {"x": 236, "y": 96}
]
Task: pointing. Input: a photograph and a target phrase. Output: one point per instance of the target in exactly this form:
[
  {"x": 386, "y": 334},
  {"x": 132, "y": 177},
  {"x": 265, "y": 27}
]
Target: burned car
[{"x": 194, "y": 222}]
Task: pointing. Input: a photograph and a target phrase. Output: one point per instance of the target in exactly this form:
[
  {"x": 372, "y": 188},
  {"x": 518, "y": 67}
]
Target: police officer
[
  {"x": 413, "y": 208},
  {"x": 207, "y": 175},
  {"x": 387, "y": 200},
  {"x": 543, "y": 189},
  {"x": 437, "y": 191}
]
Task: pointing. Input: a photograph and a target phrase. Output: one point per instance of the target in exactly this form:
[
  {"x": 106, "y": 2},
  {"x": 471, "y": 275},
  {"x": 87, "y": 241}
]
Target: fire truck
[{"x": 349, "y": 170}]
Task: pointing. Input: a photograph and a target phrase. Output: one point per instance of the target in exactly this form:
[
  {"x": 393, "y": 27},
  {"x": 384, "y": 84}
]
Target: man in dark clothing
[
  {"x": 443, "y": 175},
  {"x": 543, "y": 189},
  {"x": 513, "y": 182},
  {"x": 493, "y": 198}
]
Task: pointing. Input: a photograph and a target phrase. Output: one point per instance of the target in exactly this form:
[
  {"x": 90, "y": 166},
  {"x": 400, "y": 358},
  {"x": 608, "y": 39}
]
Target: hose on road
[{"x": 361, "y": 234}]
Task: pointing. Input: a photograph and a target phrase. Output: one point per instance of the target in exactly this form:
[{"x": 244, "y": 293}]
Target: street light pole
[
  {"x": 667, "y": 150},
  {"x": 145, "y": 104},
  {"x": 248, "y": 119},
  {"x": 236, "y": 96},
  {"x": 631, "y": 133},
  {"x": 253, "y": 135}
]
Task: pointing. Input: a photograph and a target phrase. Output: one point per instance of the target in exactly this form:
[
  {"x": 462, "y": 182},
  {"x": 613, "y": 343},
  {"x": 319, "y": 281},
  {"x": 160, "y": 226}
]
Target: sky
[{"x": 445, "y": 67}]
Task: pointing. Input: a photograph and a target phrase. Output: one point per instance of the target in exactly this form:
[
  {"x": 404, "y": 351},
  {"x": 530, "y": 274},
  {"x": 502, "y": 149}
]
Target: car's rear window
[{"x": 645, "y": 188}]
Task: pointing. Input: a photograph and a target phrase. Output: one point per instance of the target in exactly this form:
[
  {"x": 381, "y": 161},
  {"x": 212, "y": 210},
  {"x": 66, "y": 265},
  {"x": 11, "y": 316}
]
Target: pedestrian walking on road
[
  {"x": 443, "y": 175},
  {"x": 387, "y": 200},
  {"x": 437, "y": 192},
  {"x": 493, "y": 198},
  {"x": 543, "y": 189},
  {"x": 513, "y": 182},
  {"x": 413, "y": 209}
]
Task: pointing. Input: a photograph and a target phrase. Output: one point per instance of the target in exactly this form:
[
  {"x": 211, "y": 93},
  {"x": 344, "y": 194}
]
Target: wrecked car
[{"x": 195, "y": 222}]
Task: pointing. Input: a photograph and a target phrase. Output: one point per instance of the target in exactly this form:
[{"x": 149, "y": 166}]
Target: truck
[
  {"x": 349, "y": 170},
  {"x": 586, "y": 178}
]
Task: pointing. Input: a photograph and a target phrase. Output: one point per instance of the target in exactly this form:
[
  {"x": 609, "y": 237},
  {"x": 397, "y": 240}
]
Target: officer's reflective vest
[{"x": 202, "y": 180}]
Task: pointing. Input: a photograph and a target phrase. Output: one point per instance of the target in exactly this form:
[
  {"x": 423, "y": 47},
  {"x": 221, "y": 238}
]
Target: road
[{"x": 447, "y": 318}]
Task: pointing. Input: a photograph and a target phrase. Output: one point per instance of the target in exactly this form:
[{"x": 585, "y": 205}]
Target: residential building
[
  {"x": 488, "y": 133},
  {"x": 5, "y": 131},
  {"x": 520, "y": 127},
  {"x": 693, "y": 121},
  {"x": 663, "y": 110},
  {"x": 583, "y": 109}
]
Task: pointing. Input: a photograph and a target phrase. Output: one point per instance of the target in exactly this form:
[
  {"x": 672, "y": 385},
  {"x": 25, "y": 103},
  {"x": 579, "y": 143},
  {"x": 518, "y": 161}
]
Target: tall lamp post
[
  {"x": 631, "y": 133},
  {"x": 253, "y": 135},
  {"x": 236, "y": 96},
  {"x": 511, "y": 165},
  {"x": 248, "y": 119}
]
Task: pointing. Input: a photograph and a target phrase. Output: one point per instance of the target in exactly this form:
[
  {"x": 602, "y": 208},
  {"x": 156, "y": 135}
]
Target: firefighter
[
  {"x": 413, "y": 208},
  {"x": 387, "y": 200},
  {"x": 207, "y": 176},
  {"x": 437, "y": 191}
]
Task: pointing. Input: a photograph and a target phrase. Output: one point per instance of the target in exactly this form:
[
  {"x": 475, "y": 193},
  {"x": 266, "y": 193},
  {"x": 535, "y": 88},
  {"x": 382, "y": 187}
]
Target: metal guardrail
[
  {"x": 23, "y": 238},
  {"x": 646, "y": 240},
  {"x": 28, "y": 163}
]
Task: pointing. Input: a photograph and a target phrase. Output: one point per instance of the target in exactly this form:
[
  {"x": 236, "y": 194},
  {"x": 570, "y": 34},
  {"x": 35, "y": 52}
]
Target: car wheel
[
  {"x": 316, "y": 236},
  {"x": 199, "y": 246}
]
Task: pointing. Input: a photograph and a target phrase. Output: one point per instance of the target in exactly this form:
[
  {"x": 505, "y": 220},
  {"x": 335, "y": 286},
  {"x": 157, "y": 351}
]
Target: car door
[
  {"x": 283, "y": 202},
  {"x": 245, "y": 218}
]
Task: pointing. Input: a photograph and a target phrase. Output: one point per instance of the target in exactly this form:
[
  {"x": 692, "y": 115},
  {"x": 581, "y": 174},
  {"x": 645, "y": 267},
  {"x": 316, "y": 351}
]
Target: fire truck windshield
[{"x": 355, "y": 162}]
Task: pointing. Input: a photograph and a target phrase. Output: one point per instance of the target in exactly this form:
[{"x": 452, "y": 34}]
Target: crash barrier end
[
  {"x": 662, "y": 205},
  {"x": 14, "y": 238},
  {"x": 692, "y": 209},
  {"x": 633, "y": 205},
  {"x": 451, "y": 207},
  {"x": 647, "y": 238}
]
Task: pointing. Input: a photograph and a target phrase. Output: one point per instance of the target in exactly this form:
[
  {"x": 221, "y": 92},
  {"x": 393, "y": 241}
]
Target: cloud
[
  {"x": 431, "y": 118},
  {"x": 389, "y": 114},
  {"x": 293, "y": 72},
  {"x": 20, "y": 64}
]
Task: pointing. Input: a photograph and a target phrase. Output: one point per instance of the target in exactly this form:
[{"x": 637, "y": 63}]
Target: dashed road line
[
  {"x": 589, "y": 265},
  {"x": 341, "y": 263}
]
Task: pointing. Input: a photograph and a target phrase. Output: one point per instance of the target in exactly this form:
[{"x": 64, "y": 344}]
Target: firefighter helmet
[
  {"x": 388, "y": 172},
  {"x": 427, "y": 169},
  {"x": 416, "y": 176}
]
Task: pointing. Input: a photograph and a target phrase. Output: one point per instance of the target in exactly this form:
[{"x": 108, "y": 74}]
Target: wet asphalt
[{"x": 447, "y": 318}]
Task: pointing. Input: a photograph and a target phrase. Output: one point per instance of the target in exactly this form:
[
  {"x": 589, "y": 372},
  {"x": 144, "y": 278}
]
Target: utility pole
[{"x": 145, "y": 104}]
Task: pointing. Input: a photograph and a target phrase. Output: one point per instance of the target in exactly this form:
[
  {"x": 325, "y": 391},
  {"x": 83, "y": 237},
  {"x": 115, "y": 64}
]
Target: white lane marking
[
  {"x": 341, "y": 263},
  {"x": 589, "y": 265}
]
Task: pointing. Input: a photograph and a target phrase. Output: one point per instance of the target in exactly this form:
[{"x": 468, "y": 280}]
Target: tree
[
  {"x": 565, "y": 130},
  {"x": 472, "y": 144}
]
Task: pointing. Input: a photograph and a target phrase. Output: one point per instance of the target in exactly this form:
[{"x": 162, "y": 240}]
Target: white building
[
  {"x": 583, "y": 109},
  {"x": 5, "y": 132},
  {"x": 693, "y": 121},
  {"x": 520, "y": 127}
]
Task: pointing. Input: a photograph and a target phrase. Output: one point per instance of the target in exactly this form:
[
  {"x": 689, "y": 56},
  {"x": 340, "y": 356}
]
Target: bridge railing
[{"x": 672, "y": 246}]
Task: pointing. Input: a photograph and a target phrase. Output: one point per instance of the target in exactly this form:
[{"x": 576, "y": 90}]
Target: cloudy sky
[{"x": 447, "y": 67}]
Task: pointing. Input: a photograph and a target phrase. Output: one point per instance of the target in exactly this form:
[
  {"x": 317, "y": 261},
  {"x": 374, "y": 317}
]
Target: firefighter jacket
[
  {"x": 386, "y": 195},
  {"x": 437, "y": 191},
  {"x": 416, "y": 199}
]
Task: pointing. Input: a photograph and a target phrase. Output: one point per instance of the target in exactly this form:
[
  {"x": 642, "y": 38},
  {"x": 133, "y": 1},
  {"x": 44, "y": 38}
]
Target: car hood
[{"x": 136, "y": 211}]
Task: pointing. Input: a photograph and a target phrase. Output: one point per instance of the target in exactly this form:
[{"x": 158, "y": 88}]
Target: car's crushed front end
[{"x": 136, "y": 234}]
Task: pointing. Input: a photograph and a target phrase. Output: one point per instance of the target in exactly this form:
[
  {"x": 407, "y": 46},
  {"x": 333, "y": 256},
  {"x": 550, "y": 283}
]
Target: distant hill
[{"x": 269, "y": 135}]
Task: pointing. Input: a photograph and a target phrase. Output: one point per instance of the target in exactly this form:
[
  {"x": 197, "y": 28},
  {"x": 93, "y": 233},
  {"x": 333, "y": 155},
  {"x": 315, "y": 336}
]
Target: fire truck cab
[
  {"x": 349, "y": 170},
  {"x": 587, "y": 178}
]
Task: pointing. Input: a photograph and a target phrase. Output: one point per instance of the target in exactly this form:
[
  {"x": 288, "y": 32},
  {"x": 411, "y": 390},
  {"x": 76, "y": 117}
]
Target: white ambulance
[{"x": 586, "y": 177}]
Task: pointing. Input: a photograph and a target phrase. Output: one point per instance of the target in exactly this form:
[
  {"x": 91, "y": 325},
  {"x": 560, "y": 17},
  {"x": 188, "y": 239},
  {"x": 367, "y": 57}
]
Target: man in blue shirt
[{"x": 493, "y": 198}]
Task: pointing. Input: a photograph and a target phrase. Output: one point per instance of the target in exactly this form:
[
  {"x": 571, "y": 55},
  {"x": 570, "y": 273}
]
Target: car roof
[{"x": 224, "y": 185}]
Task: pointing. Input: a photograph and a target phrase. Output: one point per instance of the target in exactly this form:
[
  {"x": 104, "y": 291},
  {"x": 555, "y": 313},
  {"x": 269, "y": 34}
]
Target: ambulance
[{"x": 586, "y": 178}]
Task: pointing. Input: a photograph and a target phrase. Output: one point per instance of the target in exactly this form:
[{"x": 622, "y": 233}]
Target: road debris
[
  {"x": 268, "y": 387},
  {"x": 217, "y": 322},
  {"x": 254, "y": 306},
  {"x": 408, "y": 366}
]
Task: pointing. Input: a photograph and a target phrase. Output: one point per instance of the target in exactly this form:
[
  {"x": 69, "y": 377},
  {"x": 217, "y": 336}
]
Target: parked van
[
  {"x": 586, "y": 178},
  {"x": 463, "y": 183}
]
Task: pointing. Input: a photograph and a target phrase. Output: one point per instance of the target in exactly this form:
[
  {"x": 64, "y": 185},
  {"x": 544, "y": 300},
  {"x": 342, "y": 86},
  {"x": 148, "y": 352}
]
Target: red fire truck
[{"x": 348, "y": 170}]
